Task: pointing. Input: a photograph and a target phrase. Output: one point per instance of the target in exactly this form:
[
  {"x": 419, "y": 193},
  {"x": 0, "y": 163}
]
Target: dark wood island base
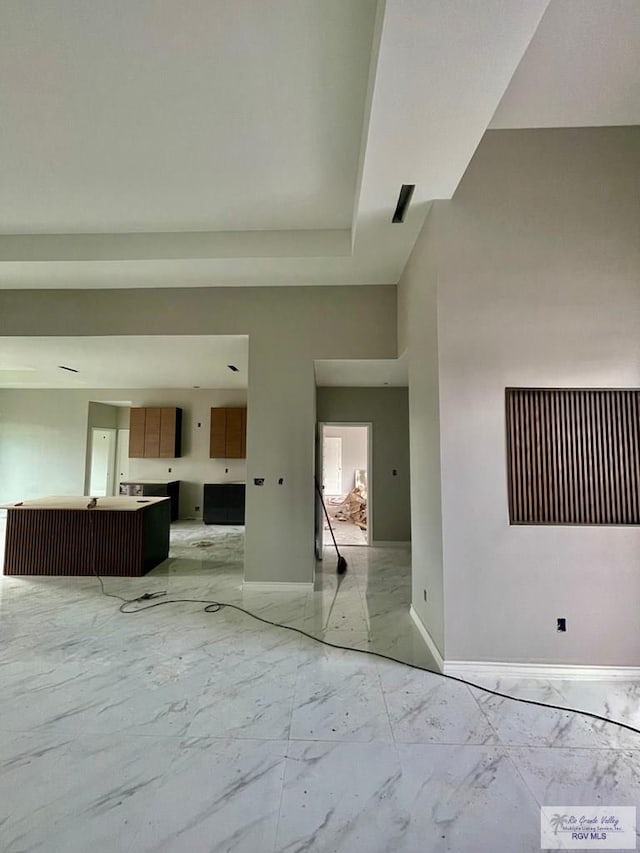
[{"x": 120, "y": 536}]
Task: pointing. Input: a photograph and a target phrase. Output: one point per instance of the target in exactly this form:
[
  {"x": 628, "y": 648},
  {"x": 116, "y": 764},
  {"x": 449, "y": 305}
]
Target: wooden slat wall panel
[
  {"x": 573, "y": 456},
  {"x": 74, "y": 542}
]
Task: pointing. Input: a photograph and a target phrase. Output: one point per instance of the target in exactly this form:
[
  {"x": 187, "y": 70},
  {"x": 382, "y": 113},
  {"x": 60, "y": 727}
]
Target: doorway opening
[
  {"x": 345, "y": 478},
  {"x": 103, "y": 462}
]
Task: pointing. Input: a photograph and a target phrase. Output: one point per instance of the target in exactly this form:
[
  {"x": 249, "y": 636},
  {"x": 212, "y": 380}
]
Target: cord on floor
[{"x": 216, "y": 606}]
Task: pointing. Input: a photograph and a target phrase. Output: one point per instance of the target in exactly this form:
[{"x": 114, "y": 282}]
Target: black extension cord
[{"x": 216, "y": 606}]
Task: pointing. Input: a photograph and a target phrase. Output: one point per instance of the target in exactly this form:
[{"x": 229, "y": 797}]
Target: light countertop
[
  {"x": 121, "y": 504},
  {"x": 147, "y": 482}
]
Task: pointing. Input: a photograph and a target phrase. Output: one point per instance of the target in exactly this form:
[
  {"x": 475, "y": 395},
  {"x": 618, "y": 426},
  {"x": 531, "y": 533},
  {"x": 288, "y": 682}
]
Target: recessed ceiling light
[
  {"x": 70, "y": 369},
  {"x": 233, "y": 368}
]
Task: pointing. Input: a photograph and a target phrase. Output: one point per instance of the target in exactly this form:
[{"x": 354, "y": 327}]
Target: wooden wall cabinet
[
  {"x": 228, "y": 438},
  {"x": 155, "y": 433}
]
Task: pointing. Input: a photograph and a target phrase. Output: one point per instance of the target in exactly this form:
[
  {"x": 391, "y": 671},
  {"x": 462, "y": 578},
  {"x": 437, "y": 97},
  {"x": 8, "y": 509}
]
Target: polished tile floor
[
  {"x": 346, "y": 532},
  {"x": 176, "y": 730}
]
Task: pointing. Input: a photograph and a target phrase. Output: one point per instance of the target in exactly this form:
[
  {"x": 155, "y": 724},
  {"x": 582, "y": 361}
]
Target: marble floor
[
  {"x": 176, "y": 730},
  {"x": 346, "y": 532}
]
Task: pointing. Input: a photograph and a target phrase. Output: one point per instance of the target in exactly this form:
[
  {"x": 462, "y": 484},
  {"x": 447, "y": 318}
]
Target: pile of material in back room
[{"x": 353, "y": 507}]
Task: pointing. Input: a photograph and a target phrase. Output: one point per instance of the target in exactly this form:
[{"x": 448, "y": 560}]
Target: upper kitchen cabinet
[
  {"x": 228, "y": 433},
  {"x": 155, "y": 433}
]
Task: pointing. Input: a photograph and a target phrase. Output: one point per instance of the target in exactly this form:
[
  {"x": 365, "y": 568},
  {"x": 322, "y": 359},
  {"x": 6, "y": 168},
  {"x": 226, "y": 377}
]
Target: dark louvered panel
[
  {"x": 84, "y": 542},
  {"x": 573, "y": 456}
]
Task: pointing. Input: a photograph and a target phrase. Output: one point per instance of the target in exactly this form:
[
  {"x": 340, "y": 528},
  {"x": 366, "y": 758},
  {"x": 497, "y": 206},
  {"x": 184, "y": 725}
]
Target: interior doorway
[
  {"x": 122, "y": 457},
  {"x": 345, "y": 468},
  {"x": 103, "y": 462}
]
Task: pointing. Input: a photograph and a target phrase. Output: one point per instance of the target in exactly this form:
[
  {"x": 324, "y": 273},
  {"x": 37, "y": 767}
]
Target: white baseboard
[
  {"x": 569, "y": 672},
  {"x": 426, "y": 636},
  {"x": 276, "y": 586},
  {"x": 391, "y": 543}
]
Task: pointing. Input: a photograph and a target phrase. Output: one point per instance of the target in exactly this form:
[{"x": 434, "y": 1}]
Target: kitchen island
[{"x": 119, "y": 536}]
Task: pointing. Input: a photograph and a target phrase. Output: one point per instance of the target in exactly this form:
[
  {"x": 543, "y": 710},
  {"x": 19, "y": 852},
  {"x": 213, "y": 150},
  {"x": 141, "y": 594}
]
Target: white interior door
[
  {"x": 332, "y": 465},
  {"x": 103, "y": 458}
]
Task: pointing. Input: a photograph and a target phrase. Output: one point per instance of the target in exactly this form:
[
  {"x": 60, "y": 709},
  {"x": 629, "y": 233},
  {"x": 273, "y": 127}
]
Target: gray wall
[
  {"x": 418, "y": 335},
  {"x": 288, "y": 328},
  {"x": 538, "y": 276},
  {"x": 388, "y": 412}
]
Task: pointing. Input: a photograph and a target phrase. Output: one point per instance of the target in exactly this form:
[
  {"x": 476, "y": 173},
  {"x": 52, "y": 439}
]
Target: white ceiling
[
  {"x": 582, "y": 68},
  {"x": 359, "y": 373},
  {"x": 150, "y": 361},
  {"x": 178, "y": 116},
  {"x": 240, "y": 142}
]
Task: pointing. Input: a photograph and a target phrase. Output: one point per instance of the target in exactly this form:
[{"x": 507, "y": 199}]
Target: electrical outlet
[{"x": 561, "y": 625}]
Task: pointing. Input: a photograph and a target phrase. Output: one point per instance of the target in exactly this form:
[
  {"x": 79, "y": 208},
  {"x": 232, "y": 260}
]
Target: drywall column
[
  {"x": 280, "y": 444},
  {"x": 418, "y": 332},
  {"x": 538, "y": 272}
]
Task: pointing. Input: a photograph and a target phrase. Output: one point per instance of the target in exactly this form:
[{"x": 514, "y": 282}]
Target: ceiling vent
[{"x": 404, "y": 199}]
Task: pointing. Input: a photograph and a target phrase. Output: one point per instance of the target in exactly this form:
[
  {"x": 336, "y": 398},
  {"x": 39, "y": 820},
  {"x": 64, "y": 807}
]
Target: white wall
[
  {"x": 387, "y": 409},
  {"x": 538, "y": 265},
  {"x": 43, "y": 443},
  {"x": 288, "y": 328},
  {"x": 354, "y": 452}
]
